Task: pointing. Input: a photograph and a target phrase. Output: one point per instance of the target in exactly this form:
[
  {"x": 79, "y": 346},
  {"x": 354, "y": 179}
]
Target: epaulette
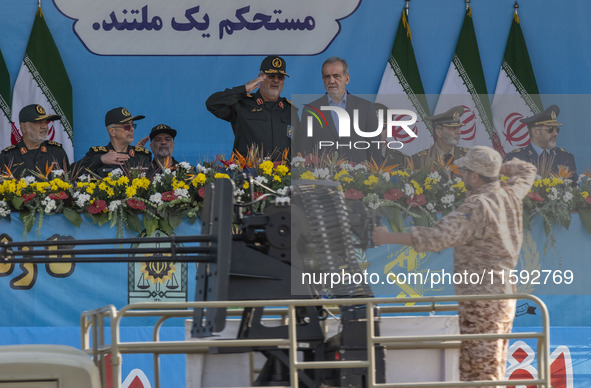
[
  {"x": 421, "y": 153},
  {"x": 248, "y": 95},
  {"x": 463, "y": 149},
  {"x": 98, "y": 149},
  {"x": 516, "y": 150},
  {"x": 562, "y": 149},
  {"x": 11, "y": 147},
  {"x": 55, "y": 143},
  {"x": 142, "y": 149}
]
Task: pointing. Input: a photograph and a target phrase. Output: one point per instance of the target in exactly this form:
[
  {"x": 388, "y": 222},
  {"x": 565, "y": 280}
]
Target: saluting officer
[
  {"x": 118, "y": 153},
  {"x": 34, "y": 153},
  {"x": 445, "y": 149},
  {"x": 542, "y": 151},
  {"x": 262, "y": 118}
]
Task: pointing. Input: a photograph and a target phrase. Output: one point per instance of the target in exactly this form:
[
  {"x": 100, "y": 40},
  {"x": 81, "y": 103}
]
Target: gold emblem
[
  {"x": 259, "y": 101},
  {"x": 23, "y": 150},
  {"x": 125, "y": 112},
  {"x": 456, "y": 116},
  {"x": 162, "y": 126},
  {"x": 43, "y": 149},
  {"x": 281, "y": 104},
  {"x": 277, "y": 62},
  {"x": 553, "y": 115},
  {"x": 40, "y": 109}
]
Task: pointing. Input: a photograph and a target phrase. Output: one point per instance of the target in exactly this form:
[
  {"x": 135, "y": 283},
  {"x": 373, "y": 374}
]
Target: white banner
[{"x": 207, "y": 27}]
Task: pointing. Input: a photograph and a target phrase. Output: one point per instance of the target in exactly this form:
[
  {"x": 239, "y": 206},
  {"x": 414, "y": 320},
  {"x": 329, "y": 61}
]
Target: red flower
[
  {"x": 97, "y": 207},
  {"x": 201, "y": 192},
  {"x": 588, "y": 199},
  {"x": 28, "y": 197},
  {"x": 136, "y": 204},
  {"x": 536, "y": 197},
  {"x": 393, "y": 195},
  {"x": 169, "y": 196},
  {"x": 416, "y": 200},
  {"x": 257, "y": 194},
  {"x": 60, "y": 195},
  {"x": 353, "y": 194}
]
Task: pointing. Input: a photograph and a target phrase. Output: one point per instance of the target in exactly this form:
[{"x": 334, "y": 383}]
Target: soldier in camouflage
[{"x": 487, "y": 232}]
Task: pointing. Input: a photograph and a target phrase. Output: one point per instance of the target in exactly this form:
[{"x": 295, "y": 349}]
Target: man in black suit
[
  {"x": 325, "y": 123},
  {"x": 541, "y": 150}
]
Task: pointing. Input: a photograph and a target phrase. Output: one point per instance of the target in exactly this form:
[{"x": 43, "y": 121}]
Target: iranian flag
[
  {"x": 42, "y": 79},
  {"x": 5, "y": 125},
  {"x": 402, "y": 88},
  {"x": 465, "y": 85},
  {"x": 516, "y": 95}
]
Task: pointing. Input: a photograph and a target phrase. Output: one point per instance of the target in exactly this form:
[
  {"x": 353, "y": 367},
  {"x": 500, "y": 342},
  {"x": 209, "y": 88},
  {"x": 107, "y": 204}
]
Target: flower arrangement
[{"x": 177, "y": 192}]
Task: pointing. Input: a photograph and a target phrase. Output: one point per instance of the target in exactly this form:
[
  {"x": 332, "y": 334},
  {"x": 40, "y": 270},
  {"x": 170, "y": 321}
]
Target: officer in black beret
[
  {"x": 542, "y": 151},
  {"x": 445, "y": 149},
  {"x": 162, "y": 146},
  {"x": 118, "y": 153},
  {"x": 33, "y": 154},
  {"x": 262, "y": 119}
]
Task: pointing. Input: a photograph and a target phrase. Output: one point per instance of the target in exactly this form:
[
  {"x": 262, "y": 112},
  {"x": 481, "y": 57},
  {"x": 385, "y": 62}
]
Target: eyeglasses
[
  {"x": 552, "y": 129},
  {"x": 128, "y": 127},
  {"x": 280, "y": 77}
]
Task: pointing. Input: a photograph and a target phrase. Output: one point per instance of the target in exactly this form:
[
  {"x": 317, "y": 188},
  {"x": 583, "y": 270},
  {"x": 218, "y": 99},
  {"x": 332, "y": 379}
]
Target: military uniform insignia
[
  {"x": 553, "y": 115},
  {"x": 132, "y": 152},
  {"x": 290, "y": 131},
  {"x": 259, "y": 101},
  {"x": 24, "y": 150},
  {"x": 142, "y": 150},
  {"x": 40, "y": 109},
  {"x": 54, "y": 143},
  {"x": 277, "y": 63},
  {"x": 11, "y": 147},
  {"x": 256, "y": 109},
  {"x": 456, "y": 116},
  {"x": 43, "y": 149},
  {"x": 281, "y": 104},
  {"x": 125, "y": 112},
  {"x": 99, "y": 149}
]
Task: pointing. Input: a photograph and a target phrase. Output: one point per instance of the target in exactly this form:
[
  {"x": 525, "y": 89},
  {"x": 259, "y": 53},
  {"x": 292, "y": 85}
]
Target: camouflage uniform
[{"x": 486, "y": 231}]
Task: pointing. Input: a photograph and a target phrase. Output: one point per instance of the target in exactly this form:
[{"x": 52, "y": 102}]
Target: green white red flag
[
  {"x": 42, "y": 79},
  {"x": 402, "y": 88},
  {"x": 516, "y": 95},
  {"x": 465, "y": 85},
  {"x": 5, "y": 115}
]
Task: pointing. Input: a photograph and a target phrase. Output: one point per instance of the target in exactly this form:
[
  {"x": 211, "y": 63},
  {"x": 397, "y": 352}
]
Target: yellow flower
[
  {"x": 370, "y": 180},
  {"x": 400, "y": 173},
  {"x": 199, "y": 180},
  {"x": 504, "y": 178},
  {"x": 276, "y": 178},
  {"x": 130, "y": 191},
  {"x": 282, "y": 169},
  {"x": 179, "y": 185},
  {"x": 267, "y": 167},
  {"x": 584, "y": 194},
  {"x": 307, "y": 175},
  {"x": 220, "y": 175},
  {"x": 246, "y": 185},
  {"x": 418, "y": 188},
  {"x": 123, "y": 181},
  {"x": 460, "y": 186},
  {"x": 141, "y": 183},
  {"x": 347, "y": 179},
  {"x": 340, "y": 174}
]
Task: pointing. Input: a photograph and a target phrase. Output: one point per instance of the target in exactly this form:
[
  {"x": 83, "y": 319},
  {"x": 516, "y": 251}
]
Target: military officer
[
  {"x": 118, "y": 153},
  {"x": 542, "y": 151},
  {"x": 262, "y": 119},
  {"x": 162, "y": 145},
  {"x": 445, "y": 149},
  {"x": 390, "y": 156},
  {"x": 33, "y": 154}
]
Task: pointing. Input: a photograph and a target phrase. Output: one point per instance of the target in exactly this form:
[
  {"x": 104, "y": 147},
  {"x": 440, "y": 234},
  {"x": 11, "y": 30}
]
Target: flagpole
[
  {"x": 467, "y": 4},
  {"x": 405, "y": 6},
  {"x": 516, "y": 6}
]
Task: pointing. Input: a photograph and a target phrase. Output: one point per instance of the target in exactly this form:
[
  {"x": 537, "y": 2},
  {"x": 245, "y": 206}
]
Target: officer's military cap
[
  {"x": 162, "y": 128},
  {"x": 120, "y": 116},
  {"x": 451, "y": 118},
  {"x": 547, "y": 117},
  {"x": 274, "y": 65},
  {"x": 35, "y": 113}
]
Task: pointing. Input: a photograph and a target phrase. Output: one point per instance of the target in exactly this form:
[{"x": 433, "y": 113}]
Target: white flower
[
  {"x": 347, "y": 167},
  {"x": 167, "y": 171},
  {"x": 202, "y": 169},
  {"x": 29, "y": 179},
  {"x": 156, "y": 198},
  {"x": 431, "y": 207},
  {"x": 50, "y": 205},
  {"x": 448, "y": 200},
  {"x": 114, "y": 205},
  {"x": 238, "y": 193},
  {"x": 553, "y": 195},
  {"x": 296, "y": 161},
  {"x": 81, "y": 199},
  {"x": 360, "y": 167},
  {"x": 408, "y": 190},
  {"x": 261, "y": 179},
  {"x": 567, "y": 197},
  {"x": 373, "y": 201},
  {"x": 184, "y": 165},
  {"x": 157, "y": 178},
  {"x": 321, "y": 173},
  {"x": 568, "y": 181},
  {"x": 283, "y": 191},
  {"x": 84, "y": 178},
  {"x": 182, "y": 193},
  {"x": 435, "y": 175},
  {"x": 4, "y": 210},
  {"x": 386, "y": 176},
  {"x": 58, "y": 172},
  {"x": 233, "y": 166},
  {"x": 116, "y": 173}
]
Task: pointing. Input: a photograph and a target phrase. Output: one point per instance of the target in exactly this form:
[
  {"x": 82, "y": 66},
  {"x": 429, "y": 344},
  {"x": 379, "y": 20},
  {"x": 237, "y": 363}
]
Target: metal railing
[{"x": 93, "y": 326}]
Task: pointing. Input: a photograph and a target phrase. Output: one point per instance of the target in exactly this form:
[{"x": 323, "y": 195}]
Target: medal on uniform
[{"x": 289, "y": 131}]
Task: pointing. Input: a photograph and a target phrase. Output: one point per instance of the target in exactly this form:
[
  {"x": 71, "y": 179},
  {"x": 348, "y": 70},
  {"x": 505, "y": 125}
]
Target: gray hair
[{"x": 335, "y": 60}]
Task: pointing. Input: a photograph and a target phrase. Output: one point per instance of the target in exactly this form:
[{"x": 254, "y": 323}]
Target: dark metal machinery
[{"x": 263, "y": 259}]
